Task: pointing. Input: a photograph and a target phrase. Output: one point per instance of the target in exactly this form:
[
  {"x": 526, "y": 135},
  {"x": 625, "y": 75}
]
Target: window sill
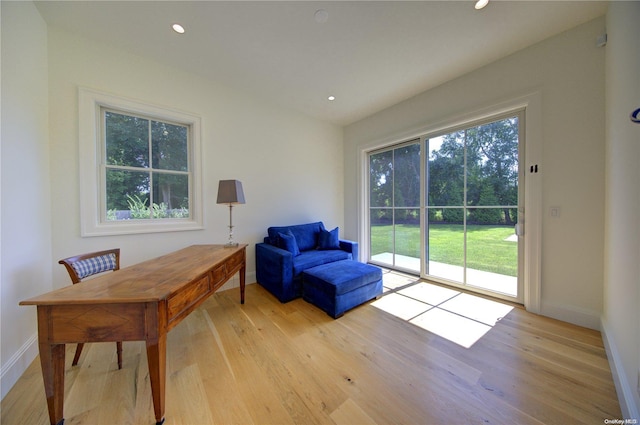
[{"x": 137, "y": 227}]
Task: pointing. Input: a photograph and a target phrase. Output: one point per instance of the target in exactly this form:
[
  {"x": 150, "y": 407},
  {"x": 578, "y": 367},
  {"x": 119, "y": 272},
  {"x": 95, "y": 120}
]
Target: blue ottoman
[{"x": 340, "y": 286}]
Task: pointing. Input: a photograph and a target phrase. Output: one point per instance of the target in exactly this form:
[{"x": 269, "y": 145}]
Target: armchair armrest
[
  {"x": 350, "y": 246},
  {"x": 274, "y": 266}
]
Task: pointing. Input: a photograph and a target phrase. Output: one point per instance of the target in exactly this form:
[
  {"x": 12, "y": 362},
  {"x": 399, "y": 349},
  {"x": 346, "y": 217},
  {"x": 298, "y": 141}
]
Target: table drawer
[
  {"x": 234, "y": 262},
  {"x": 218, "y": 276},
  {"x": 96, "y": 322},
  {"x": 189, "y": 296}
]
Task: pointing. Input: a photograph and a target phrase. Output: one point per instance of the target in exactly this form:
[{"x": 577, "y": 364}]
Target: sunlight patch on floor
[
  {"x": 396, "y": 280},
  {"x": 459, "y": 317},
  {"x": 428, "y": 293},
  {"x": 477, "y": 308},
  {"x": 455, "y": 328},
  {"x": 401, "y": 306}
]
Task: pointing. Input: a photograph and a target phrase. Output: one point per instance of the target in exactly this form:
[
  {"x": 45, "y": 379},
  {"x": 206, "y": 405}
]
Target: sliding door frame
[{"x": 531, "y": 225}]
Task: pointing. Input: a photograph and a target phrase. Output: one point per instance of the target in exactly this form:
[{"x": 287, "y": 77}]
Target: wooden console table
[{"x": 142, "y": 302}]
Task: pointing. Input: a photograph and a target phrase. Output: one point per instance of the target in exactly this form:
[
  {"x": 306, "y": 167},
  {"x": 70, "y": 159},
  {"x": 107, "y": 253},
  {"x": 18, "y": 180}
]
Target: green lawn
[{"x": 487, "y": 248}]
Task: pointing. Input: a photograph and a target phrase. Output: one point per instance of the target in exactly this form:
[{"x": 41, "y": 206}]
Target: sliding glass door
[
  {"x": 472, "y": 206},
  {"x": 394, "y": 213},
  {"x": 462, "y": 229}
]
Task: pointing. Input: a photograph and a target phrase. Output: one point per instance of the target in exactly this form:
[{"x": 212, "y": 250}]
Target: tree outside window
[{"x": 146, "y": 168}]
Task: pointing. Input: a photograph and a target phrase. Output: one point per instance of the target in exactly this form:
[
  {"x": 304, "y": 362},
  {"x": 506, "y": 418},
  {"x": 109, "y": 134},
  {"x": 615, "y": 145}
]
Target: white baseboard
[
  {"x": 571, "y": 314},
  {"x": 625, "y": 391},
  {"x": 234, "y": 282},
  {"x": 13, "y": 369}
]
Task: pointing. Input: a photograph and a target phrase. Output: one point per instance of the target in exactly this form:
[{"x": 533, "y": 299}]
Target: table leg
[
  {"x": 157, "y": 358},
  {"x": 52, "y": 362},
  {"x": 242, "y": 282}
]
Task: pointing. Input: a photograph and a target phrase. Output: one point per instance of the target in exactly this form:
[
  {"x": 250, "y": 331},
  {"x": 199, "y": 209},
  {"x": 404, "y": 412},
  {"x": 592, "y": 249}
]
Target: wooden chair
[{"x": 85, "y": 265}]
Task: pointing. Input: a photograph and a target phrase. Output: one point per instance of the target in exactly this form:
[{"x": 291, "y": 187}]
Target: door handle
[{"x": 519, "y": 229}]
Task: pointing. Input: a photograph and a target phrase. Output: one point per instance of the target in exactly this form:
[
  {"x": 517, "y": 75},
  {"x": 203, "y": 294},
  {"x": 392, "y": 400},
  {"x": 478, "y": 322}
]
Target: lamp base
[{"x": 230, "y": 243}]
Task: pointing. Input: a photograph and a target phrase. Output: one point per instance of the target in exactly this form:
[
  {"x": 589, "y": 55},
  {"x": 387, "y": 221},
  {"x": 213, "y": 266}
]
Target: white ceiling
[{"x": 369, "y": 54}]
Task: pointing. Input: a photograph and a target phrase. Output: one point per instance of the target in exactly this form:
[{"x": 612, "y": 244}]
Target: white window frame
[{"x": 92, "y": 191}]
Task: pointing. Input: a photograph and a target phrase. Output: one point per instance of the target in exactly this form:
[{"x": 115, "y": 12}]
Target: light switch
[{"x": 554, "y": 212}]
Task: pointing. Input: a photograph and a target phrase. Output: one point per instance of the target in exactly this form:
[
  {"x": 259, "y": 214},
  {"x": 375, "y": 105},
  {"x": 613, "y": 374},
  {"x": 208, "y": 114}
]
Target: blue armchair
[{"x": 288, "y": 250}]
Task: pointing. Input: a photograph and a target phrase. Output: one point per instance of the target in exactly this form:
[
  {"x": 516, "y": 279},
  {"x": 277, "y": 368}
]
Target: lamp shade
[{"x": 230, "y": 192}]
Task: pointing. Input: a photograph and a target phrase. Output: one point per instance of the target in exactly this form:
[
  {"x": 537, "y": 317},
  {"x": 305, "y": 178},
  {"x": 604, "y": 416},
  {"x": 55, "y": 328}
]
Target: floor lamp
[{"x": 230, "y": 192}]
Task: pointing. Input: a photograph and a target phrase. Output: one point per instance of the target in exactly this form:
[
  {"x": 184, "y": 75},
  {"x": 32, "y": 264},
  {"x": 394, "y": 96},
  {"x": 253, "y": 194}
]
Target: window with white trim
[{"x": 139, "y": 168}]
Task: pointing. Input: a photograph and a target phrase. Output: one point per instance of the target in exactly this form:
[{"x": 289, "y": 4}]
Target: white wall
[
  {"x": 621, "y": 318},
  {"x": 568, "y": 73},
  {"x": 26, "y": 203},
  {"x": 290, "y": 165}
]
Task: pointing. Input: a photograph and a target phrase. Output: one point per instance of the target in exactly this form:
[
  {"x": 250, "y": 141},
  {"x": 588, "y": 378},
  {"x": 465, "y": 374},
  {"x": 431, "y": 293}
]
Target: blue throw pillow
[
  {"x": 288, "y": 241},
  {"x": 328, "y": 239}
]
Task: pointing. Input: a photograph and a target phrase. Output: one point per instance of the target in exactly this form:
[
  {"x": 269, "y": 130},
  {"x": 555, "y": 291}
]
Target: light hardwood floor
[{"x": 270, "y": 363}]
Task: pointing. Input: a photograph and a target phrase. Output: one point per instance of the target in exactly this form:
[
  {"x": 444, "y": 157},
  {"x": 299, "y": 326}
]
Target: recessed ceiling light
[
  {"x": 178, "y": 28},
  {"x": 481, "y": 4},
  {"x": 331, "y": 98},
  {"x": 321, "y": 16}
]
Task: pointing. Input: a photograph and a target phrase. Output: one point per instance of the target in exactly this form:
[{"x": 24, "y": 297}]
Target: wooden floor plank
[
  {"x": 270, "y": 363},
  {"x": 349, "y": 413}
]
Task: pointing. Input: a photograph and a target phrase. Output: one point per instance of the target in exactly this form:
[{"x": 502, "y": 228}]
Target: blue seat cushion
[
  {"x": 340, "y": 277},
  {"x": 313, "y": 258}
]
